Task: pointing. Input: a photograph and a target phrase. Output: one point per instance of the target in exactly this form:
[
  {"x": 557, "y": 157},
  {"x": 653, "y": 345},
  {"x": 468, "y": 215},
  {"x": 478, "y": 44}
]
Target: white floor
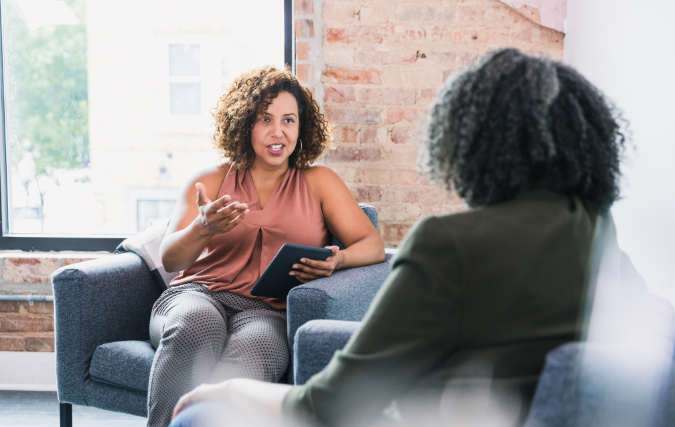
[{"x": 22, "y": 370}]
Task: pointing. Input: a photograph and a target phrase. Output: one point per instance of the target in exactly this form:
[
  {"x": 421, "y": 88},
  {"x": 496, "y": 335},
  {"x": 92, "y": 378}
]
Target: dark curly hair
[
  {"x": 511, "y": 121},
  {"x": 248, "y": 97}
]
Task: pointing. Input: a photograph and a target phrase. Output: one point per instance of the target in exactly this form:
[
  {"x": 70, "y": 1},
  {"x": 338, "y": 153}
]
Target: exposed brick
[
  {"x": 397, "y": 115},
  {"x": 453, "y": 58},
  {"x": 345, "y": 134},
  {"x": 376, "y": 176},
  {"x": 421, "y": 12},
  {"x": 430, "y": 195},
  {"x": 394, "y": 233},
  {"x": 386, "y": 95},
  {"x": 482, "y": 14},
  {"x": 304, "y": 73},
  {"x": 338, "y": 55},
  {"x": 448, "y": 73},
  {"x": 29, "y": 270},
  {"x": 409, "y": 76},
  {"x": 22, "y": 323},
  {"x": 40, "y": 344},
  {"x": 44, "y": 307},
  {"x": 339, "y": 94},
  {"x": 538, "y": 35},
  {"x": 304, "y": 6},
  {"x": 375, "y": 14},
  {"x": 373, "y": 135},
  {"x": 303, "y": 51},
  {"x": 304, "y": 28},
  {"x": 402, "y": 155},
  {"x": 487, "y": 35},
  {"x": 340, "y": 13},
  {"x": 370, "y": 193},
  {"x": 354, "y": 154},
  {"x": 353, "y": 35},
  {"x": 12, "y": 342},
  {"x": 408, "y": 177},
  {"x": 371, "y": 56},
  {"x": 407, "y": 135},
  {"x": 399, "y": 212},
  {"x": 352, "y": 115},
  {"x": 9, "y": 306},
  {"x": 345, "y": 172},
  {"x": 401, "y": 33},
  {"x": 70, "y": 261},
  {"x": 351, "y": 76}
]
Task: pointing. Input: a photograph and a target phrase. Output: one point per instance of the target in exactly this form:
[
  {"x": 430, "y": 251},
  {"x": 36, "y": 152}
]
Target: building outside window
[{"x": 105, "y": 100}]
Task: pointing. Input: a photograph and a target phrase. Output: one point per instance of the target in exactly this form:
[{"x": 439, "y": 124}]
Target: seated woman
[
  {"x": 458, "y": 333},
  {"x": 229, "y": 223}
]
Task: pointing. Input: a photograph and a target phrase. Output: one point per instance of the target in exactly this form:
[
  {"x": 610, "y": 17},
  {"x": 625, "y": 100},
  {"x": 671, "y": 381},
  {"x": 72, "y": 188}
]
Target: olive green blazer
[{"x": 473, "y": 303}]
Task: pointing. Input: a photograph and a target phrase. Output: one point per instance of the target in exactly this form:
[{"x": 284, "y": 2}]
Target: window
[{"x": 107, "y": 109}]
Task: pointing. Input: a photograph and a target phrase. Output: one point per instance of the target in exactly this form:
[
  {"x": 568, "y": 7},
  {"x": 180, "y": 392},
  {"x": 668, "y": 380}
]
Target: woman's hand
[
  {"x": 217, "y": 217},
  {"x": 309, "y": 269},
  {"x": 204, "y": 392}
]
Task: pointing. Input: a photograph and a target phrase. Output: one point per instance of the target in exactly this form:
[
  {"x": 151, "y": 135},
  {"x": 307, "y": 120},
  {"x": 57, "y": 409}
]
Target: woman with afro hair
[
  {"x": 228, "y": 225},
  {"x": 458, "y": 333}
]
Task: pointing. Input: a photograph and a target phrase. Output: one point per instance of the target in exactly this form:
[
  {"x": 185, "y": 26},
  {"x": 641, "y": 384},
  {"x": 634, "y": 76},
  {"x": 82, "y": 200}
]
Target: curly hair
[
  {"x": 248, "y": 97},
  {"x": 510, "y": 122}
]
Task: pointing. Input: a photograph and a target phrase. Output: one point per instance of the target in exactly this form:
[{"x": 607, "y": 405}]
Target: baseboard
[{"x": 30, "y": 371}]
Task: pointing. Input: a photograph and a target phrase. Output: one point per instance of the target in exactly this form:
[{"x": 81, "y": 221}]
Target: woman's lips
[{"x": 276, "y": 149}]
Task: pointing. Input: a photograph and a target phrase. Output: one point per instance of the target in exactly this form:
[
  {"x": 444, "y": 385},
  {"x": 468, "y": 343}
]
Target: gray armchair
[{"x": 102, "y": 314}]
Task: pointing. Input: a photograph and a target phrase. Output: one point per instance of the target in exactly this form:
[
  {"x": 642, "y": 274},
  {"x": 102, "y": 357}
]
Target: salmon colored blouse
[{"x": 234, "y": 261}]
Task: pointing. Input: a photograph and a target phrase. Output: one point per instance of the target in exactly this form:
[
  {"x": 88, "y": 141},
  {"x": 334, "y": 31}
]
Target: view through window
[{"x": 108, "y": 104}]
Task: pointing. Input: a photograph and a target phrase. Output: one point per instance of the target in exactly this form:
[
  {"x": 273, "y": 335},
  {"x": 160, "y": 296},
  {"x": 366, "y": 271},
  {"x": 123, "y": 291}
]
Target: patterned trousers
[{"x": 208, "y": 337}]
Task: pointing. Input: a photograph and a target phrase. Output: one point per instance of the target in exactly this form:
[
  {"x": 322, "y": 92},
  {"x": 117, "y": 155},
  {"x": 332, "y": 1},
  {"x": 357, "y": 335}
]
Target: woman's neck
[{"x": 267, "y": 175}]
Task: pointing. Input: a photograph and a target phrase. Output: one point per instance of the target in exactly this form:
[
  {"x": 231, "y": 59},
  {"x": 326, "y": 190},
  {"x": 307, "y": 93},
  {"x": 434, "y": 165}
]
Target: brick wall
[
  {"x": 382, "y": 62},
  {"x": 24, "y": 327}
]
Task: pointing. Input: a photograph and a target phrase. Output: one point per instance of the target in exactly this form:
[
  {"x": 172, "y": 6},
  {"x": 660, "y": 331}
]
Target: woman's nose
[{"x": 276, "y": 130}]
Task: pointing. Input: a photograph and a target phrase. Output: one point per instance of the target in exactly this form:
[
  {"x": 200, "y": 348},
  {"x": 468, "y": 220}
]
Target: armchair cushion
[
  {"x": 315, "y": 344},
  {"x": 123, "y": 364}
]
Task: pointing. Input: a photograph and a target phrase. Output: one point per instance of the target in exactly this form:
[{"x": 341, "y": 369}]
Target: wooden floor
[{"x": 41, "y": 408}]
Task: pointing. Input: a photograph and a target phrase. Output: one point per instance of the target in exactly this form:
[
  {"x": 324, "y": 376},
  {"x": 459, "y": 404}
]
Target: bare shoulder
[
  {"x": 321, "y": 175},
  {"x": 211, "y": 177}
]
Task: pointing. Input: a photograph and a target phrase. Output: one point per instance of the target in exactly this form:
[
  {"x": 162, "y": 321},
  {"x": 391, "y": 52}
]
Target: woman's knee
[{"x": 195, "y": 322}]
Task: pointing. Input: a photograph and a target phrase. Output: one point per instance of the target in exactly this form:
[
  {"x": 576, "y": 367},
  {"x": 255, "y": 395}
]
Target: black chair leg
[{"x": 66, "y": 412}]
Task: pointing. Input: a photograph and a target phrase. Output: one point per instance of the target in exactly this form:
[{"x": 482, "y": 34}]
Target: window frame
[{"x": 31, "y": 242}]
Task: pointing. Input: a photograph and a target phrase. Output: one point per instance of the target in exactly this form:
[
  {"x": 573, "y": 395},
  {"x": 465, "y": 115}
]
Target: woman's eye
[
  {"x": 289, "y": 120},
  {"x": 264, "y": 119}
]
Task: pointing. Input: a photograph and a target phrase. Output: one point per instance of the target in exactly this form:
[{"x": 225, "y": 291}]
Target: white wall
[{"x": 627, "y": 49}]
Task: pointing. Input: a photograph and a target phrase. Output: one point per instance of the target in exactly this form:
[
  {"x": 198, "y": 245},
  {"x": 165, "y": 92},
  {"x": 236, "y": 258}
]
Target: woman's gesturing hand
[
  {"x": 217, "y": 217},
  {"x": 309, "y": 269}
]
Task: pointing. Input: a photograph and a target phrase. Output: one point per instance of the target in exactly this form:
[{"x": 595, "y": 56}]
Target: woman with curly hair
[
  {"x": 229, "y": 223},
  {"x": 458, "y": 333}
]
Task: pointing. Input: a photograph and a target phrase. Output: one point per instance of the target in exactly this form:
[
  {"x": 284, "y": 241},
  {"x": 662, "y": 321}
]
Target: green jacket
[{"x": 473, "y": 303}]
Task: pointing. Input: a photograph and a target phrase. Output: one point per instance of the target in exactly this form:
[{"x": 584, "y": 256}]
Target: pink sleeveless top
[{"x": 234, "y": 261}]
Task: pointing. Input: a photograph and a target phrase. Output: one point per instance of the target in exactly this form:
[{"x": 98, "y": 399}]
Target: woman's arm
[
  {"x": 346, "y": 221},
  {"x": 196, "y": 219}
]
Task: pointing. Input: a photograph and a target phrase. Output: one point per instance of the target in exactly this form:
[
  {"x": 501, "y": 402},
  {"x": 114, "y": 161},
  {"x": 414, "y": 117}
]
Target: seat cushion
[
  {"x": 315, "y": 343},
  {"x": 123, "y": 364}
]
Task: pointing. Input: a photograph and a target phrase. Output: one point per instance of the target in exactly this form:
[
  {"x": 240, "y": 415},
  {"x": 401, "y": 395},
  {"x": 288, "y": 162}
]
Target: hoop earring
[{"x": 300, "y": 145}]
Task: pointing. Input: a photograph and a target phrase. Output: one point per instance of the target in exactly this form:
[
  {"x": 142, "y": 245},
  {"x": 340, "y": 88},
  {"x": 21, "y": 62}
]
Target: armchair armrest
[
  {"x": 346, "y": 295},
  {"x": 96, "y": 302}
]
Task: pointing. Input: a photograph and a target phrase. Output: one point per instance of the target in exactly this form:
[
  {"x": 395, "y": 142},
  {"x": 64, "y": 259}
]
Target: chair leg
[{"x": 66, "y": 412}]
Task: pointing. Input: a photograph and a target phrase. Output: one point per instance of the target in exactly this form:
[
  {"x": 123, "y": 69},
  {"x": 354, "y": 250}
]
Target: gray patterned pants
[{"x": 208, "y": 337}]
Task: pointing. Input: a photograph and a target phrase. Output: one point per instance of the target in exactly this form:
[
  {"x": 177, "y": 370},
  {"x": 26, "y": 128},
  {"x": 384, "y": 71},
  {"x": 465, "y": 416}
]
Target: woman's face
[{"x": 275, "y": 133}]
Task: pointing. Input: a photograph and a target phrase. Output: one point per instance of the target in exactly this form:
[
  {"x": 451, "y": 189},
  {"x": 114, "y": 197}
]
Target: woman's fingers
[
  {"x": 218, "y": 204},
  {"x": 183, "y": 403}
]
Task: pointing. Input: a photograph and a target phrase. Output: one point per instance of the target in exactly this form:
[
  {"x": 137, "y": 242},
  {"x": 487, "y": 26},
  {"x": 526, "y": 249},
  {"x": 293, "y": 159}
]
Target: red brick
[
  {"x": 345, "y": 134},
  {"x": 44, "y": 307},
  {"x": 339, "y": 94},
  {"x": 424, "y": 13},
  {"x": 399, "y": 212},
  {"x": 376, "y": 176},
  {"x": 9, "y": 306},
  {"x": 448, "y": 73},
  {"x": 373, "y": 14},
  {"x": 535, "y": 34},
  {"x": 12, "y": 342},
  {"x": 402, "y": 155},
  {"x": 370, "y": 193},
  {"x": 488, "y": 35},
  {"x": 394, "y": 233},
  {"x": 352, "y": 115},
  {"x": 334, "y": 55},
  {"x": 430, "y": 195},
  {"x": 354, "y": 154},
  {"x": 401, "y": 33},
  {"x": 304, "y": 73},
  {"x": 303, "y": 51},
  {"x": 373, "y": 135},
  {"x": 413, "y": 76},
  {"x": 351, "y": 76},
  {"x": 304, "y": 28},
  {"x": 304, "y": 6},
  {"x": 407, "y": 135},
  {"x": 371, "y": 56},
  {"x": 386, "y": 95},
  {"x": 484, "y": 15},
  {"x": 29, "y": 270},
  {"x": 40, "y": 344},
  {"x": 353, "y": 35},
  {"x": 397, "y": 115},
  {"x": 70, "y": 261},
  {"x": 340, "y": 13},
  {"x": 22, "y": 323},
  {"x": 407, "y": 177}
]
